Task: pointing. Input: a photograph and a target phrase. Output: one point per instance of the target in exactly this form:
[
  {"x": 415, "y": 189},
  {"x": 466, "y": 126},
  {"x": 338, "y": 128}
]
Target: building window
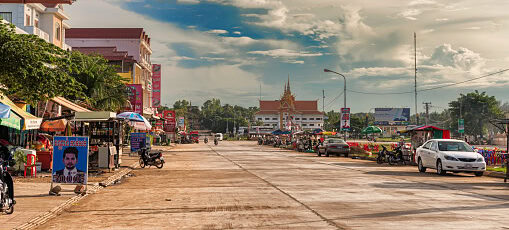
[
  {"x": 311, "y": 124},
  {"x": 6, "y": 16},
  {"x": 57, "y": 31},
  {"x": 312, "y": 119},
  {"x": 27, "y": 23},
  {"x": 318, "y": 118},
  {"x": 304, "y": 118},
  {"x": 297, "y": 118},
  {"x": 304, "y": 125},
  {"x": 259, "y": 118},
  {"x": 36, "y": 23},
  {"x": 267, "y": 118},
  {"x": 274, "y": 119}
]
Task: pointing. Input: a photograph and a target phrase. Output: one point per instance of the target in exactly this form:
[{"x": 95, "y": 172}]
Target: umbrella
[
  {"x": 141, "y": 125},
  {"x": 286, "y": 132},
  {"x": 277, "y": 132},
  {"x": 54, "y": 126},
  {"x": 132, "y": 116},
  {"x": 317, "y": 131},
  {"x": 371, "y": 129},
  {"x": 328, "y": 133},
  {"x": 5, "y": 111}
]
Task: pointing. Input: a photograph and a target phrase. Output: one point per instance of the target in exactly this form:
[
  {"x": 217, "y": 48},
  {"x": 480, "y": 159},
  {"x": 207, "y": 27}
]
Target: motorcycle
[
  {"x": 7, "y": 201},
  {"x": 151, "y": 158},
  {"x": 206, "y": 140},
  {"x": 382, "y": 155},
  {"x": 215, "y": 142},
  {"x": 396, "y": 156}
]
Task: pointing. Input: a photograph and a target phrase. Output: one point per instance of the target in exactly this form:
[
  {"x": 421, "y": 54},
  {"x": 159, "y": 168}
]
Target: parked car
[
  {"x": 218, "y": 136},
  {"x": 449, "y": 155},
  {"x": 333, "y": 146}
]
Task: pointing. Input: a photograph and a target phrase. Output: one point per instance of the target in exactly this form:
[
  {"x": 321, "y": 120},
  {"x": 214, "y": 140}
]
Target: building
[
  {"x": 44, "y": 18},
  {"x": 129, "y": 48},
  {"x": 290, "y": 114}
]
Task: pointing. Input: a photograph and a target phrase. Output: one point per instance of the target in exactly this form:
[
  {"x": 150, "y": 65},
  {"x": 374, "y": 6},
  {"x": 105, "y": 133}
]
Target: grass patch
[{"x": 496, "y": 169}]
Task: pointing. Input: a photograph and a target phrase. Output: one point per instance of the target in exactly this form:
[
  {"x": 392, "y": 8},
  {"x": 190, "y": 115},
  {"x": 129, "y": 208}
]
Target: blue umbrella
[
  {"x": 277, "y": 132},
  {"x": 132, "y": 116},
  {"x": 5, "y": 111}
]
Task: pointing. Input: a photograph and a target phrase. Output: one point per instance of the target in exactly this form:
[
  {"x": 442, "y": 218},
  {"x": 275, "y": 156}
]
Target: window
[
  {"x": 297, "y": 118},
  {"x": 36, "y": 23},
  {"x": 304, "y": 118},
  {"x": 259, "y": 118},
  {"x": 267, "y": 118},
  {"x": 6, "y": 16},
  {"x": 318, "y": 119},
  {"x": 28, "y": 22},
  {"x": 274, "y": 119},
  {"x": 304, "y": 125},
  {"x": 311, "y": 119},
  {"x": 57, "y": 31},
  {"x": 311, "y": 124},
  {"x": 454, "y": 146},
  {"x": 427, "y": 145}
]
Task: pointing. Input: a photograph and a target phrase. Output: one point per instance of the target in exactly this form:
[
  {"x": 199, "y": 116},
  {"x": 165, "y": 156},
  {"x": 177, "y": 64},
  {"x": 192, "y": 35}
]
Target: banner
[
  {"x": 169, "y": 120},
  {"x": 391, "y": 116},
  {"x": 345, "y": 119},
  {"x": 138, "y": 141},
  {"x": 70, "y": 160},
  {"x": 182, "y": 122},
  {"x": 135, "y": 97},
  {"x": 156, "y": 85},
  {"x": 461, "y": 126}
]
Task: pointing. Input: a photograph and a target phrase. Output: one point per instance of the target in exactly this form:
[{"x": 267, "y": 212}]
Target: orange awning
[{"x": 54, "y": 126}]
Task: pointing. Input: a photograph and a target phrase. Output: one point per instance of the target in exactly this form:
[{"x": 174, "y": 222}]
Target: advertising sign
[
  {"x": 182, "y": 122},
  {"x": 461, "y": 126},
  {"x": 135, "y": 96},
  {"x": 345, "y": 119},
  {"x": 169, "y": 120},
  {"x": 138, "y": 141},
  {"x": 156, "y": 85},
  {"x": 70, "y": 160},
  {"x": 391, "y": 116}
]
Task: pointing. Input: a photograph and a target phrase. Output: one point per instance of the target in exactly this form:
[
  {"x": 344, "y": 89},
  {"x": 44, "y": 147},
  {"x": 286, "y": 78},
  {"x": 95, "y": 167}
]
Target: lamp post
[{"x": 344, "y": 88}]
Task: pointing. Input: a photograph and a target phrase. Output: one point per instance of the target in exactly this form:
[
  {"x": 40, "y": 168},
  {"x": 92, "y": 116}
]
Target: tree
[
  {"x": 33, "y": 69},
  {"x": 476, "y": 109},
  {"x": 104, "y": 88}
]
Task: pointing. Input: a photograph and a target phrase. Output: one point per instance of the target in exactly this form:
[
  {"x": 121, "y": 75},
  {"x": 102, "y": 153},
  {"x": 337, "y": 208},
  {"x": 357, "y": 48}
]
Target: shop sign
[
  {"x": 156, "y": 85},
  {"x": 345, "y": 119},
  {"x": 135, "y": 97},
  {"x": 169, "y": 120},
  {"x": 70, "y": 160},
  {"x": 461, "y": 126},
  {"x": 138, "y": 141}
]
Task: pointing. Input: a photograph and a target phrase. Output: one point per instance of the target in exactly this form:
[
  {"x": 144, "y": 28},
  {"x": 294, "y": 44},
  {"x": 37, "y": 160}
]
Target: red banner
[
  {"x": 169, "y": 120},
  {"x": 135, "y": 96},
  {"x": 156, "y": 85}
]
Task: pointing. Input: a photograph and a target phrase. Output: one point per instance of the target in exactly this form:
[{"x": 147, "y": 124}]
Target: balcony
[{"x": 38, "y": 32}]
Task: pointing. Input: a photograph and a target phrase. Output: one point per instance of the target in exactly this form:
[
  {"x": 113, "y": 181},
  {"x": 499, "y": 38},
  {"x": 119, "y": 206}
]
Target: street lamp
[{"x": 344, "y": 89}]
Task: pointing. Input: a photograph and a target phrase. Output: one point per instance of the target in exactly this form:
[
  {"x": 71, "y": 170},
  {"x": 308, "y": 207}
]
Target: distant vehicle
[
  {"x": 195, "y": 137},
  {"x": 333, "y": 146},
  {"x": 449, "y": 155},
  {"x": 218, "y": 136}
]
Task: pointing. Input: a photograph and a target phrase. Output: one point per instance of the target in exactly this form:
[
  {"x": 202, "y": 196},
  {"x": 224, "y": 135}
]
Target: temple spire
[{"x": 288, "y": 85}]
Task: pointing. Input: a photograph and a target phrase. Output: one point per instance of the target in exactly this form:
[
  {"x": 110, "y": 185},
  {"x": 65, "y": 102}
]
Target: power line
[
  {"x": 333, "y": 100},
  {"x": 432, "y": 88}
]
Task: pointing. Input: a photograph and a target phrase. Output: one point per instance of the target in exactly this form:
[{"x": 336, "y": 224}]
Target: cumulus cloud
[
  {"x": 188, "y": 1},
  {"x": 461, "y": 58},
  {"x": 237, "y": 32},
  {"x": 217, "y": 31},
  {"x": 410, "y": 14},
  {"x": 285, "y": 53}
]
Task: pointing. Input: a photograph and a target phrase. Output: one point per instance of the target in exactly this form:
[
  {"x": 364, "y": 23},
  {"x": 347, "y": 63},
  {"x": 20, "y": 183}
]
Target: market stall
[{"x": 420, "y": 134}]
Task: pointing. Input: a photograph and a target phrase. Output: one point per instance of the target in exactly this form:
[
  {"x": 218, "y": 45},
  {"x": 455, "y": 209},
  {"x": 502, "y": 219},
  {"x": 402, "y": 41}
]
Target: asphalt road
[{"x": 240, "y": 185}]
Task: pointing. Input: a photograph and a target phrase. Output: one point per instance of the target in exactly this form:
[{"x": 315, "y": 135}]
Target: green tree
[
  {"x": 476, "y": 109},
  {"x": 33, "y": 69}
]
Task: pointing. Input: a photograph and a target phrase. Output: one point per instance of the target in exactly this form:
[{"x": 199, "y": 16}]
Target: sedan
[
  {"x": 449, "y": 155},
  {"x": 333, "y": 146}
]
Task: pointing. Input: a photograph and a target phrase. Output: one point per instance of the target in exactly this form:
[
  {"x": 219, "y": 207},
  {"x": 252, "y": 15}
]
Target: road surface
[{"x": 240, "y": 185}]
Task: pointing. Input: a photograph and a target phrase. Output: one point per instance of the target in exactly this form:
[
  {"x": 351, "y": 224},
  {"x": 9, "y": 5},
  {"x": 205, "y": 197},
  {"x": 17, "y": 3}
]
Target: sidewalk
[{"x": 33, "y": 199}]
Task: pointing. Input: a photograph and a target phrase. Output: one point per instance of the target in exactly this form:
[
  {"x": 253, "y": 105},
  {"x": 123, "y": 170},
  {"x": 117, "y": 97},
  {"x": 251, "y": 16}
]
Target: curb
[{"x": 45, "y": 217}]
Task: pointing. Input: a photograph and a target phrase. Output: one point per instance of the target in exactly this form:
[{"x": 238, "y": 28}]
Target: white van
[{"x": 218, "y": 136}]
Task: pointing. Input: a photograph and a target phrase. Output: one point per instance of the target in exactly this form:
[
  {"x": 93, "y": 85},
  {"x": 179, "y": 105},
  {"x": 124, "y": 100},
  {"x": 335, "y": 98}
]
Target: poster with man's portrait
[{"x": 70, "y": 160}]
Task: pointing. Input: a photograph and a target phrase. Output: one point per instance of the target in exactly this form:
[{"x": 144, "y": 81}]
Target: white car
[{"x": 449, "y": 155}]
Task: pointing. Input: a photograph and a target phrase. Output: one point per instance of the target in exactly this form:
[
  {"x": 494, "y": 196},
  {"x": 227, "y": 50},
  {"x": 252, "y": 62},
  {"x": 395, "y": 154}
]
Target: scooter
[
  {"x": 215, "y": 142},
  {"x": 206, "y": 140},
  {"x": 396, "y": 156},
  {"x": 151, "y": 158},
  {"x": 7, "y": 201},
  {"x": 382, "y": 155}
]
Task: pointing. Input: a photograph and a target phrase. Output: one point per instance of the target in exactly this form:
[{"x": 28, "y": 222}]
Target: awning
[
  {"x": 68, "y": 104},
  {"x": 29, "y": 121},
  {"x": 14, "y": 121},
  {"x": 94, "y": 116},
  {"x": 5, "y": 110},
  {"x": 54, "y": 126}
]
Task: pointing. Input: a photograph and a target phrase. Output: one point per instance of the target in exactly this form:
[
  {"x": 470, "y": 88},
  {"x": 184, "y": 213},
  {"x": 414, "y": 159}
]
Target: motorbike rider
[
  {"x": 6, "y": 157},
  {"x": 206, "y": 139},
  {"x": 215, "y": 140}
]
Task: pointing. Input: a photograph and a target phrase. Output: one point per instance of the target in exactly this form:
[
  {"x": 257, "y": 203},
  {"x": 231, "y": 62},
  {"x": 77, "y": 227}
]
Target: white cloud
[
  {"x": 473, "y": 28},
  {"x": 441, "y": 19},
  {"x": 410, "y": 14},
  {"x": 462, "y": 58},
  {"x": 236, "y": 32},
  {"x": 188, "y": 1},
  {"x": 247, "y": 41},
  {"x": 285, "y": 53},
  {"x": 422, "y": 2},
  {"x": 218, "y": 31}
]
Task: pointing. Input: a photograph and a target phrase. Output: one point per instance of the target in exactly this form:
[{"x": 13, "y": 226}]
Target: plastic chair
[{"x": 31, "y": 164}]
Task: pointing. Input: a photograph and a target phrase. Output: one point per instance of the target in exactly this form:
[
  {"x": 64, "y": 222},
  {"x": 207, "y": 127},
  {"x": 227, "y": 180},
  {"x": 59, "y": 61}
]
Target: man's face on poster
[{"x": 70, "y": 161}]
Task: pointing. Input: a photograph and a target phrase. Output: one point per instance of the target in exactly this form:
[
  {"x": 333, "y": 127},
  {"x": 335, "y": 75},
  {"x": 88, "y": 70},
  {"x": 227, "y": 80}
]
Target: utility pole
[
  {"x": 323, "y": 101},
  {"x": 260, "y": 91},
  {"x": 415, "y": 77},
  {"x": 427, "y": 104}
]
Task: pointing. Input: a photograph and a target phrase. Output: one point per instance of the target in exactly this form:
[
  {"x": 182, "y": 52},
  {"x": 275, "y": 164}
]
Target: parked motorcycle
[
  {"x": 382, "y": 155},
  {"x": 7, "y": 201},
  {"x": 396, "y": 156},
  {"x": 206, "y": 140},
  {"x": 151, "y": 158}
]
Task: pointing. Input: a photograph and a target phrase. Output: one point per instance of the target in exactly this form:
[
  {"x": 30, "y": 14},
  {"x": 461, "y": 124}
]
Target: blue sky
[{"x": 227, "y": 49}]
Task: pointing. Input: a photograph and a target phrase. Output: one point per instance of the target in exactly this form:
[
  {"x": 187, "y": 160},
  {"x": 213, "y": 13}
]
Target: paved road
[{"x": 240, "y": 185}]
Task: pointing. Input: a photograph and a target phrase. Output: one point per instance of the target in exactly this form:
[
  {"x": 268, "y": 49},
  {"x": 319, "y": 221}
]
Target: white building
[{"x": 45, "y": 19}]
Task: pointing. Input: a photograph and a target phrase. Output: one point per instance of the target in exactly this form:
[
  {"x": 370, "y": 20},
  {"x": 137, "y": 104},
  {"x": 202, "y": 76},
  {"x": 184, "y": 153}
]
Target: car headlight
[
  {"x": 480, "y": 159},
  {"x": 450, "y": 158}
]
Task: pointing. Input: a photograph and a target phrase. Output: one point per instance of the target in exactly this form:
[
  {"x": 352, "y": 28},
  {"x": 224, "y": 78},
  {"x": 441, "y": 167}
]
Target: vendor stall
[{"x": 420, "y": 134}]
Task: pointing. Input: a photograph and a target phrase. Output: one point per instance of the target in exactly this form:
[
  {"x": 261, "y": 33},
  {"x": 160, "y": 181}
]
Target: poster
[
  {"x": 156, "y": 85},
  {"x": 70, "y": 160},
  {"x": 135, "y": 97},
  {"x": 391, "y": 116},
  {"x": 169, "y": 120},
  {"x": 345, "y": 119},
  {"x": 138, "y": 141}
]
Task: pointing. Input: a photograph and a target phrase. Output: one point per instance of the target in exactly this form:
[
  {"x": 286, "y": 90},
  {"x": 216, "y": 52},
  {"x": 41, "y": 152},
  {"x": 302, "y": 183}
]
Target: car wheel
[
  {"x": 478, "y": 173},
  {"x": 420, "y": 166},
  {"x": 440, "y": 170}
]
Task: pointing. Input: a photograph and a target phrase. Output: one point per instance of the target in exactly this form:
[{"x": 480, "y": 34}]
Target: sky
[{"x": 237, "y": 50}]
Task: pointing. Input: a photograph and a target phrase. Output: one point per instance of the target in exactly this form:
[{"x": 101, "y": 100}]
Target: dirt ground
[{"x": 240, "y": 185}]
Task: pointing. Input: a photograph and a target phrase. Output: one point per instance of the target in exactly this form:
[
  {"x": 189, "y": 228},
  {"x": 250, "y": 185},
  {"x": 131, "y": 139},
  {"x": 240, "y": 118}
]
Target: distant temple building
[{"x": 289, "y": 114}]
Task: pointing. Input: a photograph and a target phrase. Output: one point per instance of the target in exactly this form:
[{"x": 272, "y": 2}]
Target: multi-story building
[
  {"x": 44, "y": 18},
  {"x": 129, "y": 48},
  {"x": 289, "y": 114}
]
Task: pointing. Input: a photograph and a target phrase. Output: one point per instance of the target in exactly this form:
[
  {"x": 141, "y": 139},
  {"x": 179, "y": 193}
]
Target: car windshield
[
  {"x": 454, "y": 146},
  {"x": 336, "y": 141}
]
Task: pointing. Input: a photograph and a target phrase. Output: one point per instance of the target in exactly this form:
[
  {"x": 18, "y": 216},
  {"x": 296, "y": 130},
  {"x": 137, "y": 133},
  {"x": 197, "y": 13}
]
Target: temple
[{"x": 290, "y": 114}]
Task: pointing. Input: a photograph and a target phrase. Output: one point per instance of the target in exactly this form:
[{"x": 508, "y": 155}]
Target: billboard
[
  {"x": 391, "y": 116},
  {"x": 182, "y": 122},
  {"x": 345, "y": 119},
  {"x": 70, "y": 160},
  {"x": 169, "y": 120},
  {"x": 135, "y": 97},
  {"x": 156, "y": 85},
  {"x": 138, "y": 140}
]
